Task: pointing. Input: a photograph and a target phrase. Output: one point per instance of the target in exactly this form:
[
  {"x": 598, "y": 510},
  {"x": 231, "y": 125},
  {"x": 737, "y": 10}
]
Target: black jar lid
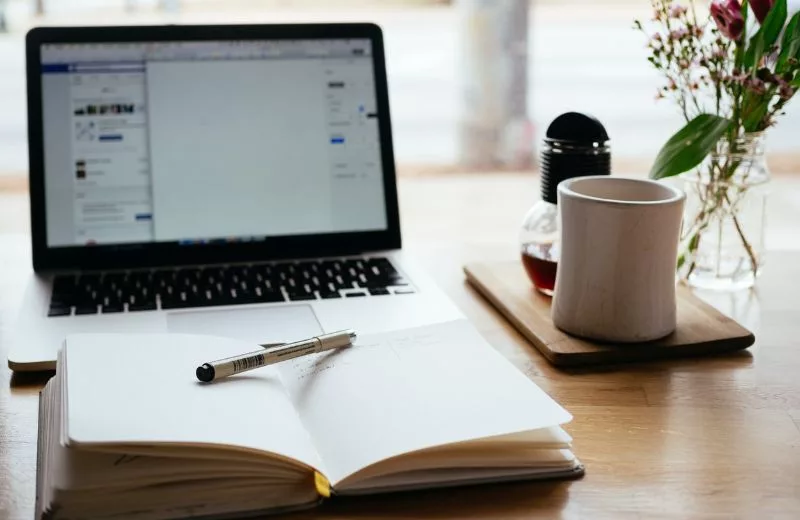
[
  {"x": 576, "y": 145},
  {"x": 577, "y": 128}
]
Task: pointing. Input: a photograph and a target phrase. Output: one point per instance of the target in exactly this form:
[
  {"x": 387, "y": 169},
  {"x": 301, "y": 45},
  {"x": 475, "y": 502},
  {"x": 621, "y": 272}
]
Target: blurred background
[{"x": 473, "y": 83}]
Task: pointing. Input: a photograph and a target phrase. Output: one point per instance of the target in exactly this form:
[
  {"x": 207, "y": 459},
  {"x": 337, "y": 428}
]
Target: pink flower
[
  {"x": 677, "y": 34},
  {"x": 761, "y": 8},
  {"x": 676, "y": 10},
  {"x": 756, "y": 85},
  {"x": 728, "y": 16},
  {"x": 785, "y": 90}
]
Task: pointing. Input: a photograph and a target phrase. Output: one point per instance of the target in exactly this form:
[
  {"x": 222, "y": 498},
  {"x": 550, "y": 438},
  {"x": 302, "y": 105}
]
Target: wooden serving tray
[{"x": 702, "y": 329}]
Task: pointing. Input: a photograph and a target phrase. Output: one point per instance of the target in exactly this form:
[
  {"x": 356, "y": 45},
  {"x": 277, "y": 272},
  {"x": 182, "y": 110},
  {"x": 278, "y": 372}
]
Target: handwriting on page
[
  {"x": 363, "y": 354},
  {"x": 419, "y": 340},
  {"x": 312, "y": 365}
]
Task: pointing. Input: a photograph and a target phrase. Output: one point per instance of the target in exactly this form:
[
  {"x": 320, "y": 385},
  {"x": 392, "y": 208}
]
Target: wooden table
[{"x": 717, "y": 437}]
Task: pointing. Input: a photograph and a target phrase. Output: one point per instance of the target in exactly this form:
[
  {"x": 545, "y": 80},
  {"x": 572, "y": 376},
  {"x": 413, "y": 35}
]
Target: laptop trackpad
[{"x": 260, "y": 325}]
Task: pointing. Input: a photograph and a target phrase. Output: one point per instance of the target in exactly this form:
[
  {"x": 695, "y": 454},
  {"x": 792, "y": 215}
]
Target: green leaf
[
  {"x": 687, "y": 148},
  {"x": 755, "y": 108},
  {"x": 790, "y": 46},
  {"x": 774, "y": 22},
  {"x": 741, "y": 44},
  {"x": 694, "y": 242},
  {"x": 767, "y": 34},
  {"x": 753, "y": 115}
]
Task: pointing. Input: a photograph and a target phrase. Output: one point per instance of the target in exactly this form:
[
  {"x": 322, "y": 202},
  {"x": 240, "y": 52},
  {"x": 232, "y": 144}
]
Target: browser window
[{"x": 206, "y": 141}]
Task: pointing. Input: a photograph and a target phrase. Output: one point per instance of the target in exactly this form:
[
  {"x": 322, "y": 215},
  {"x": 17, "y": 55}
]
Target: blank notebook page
[
  {"x": 142, "y": 389},
  {"x": 402, "y": 391}
]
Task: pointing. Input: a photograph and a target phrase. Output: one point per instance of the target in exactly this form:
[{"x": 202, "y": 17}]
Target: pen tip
[{"x": 205, "y": 373}]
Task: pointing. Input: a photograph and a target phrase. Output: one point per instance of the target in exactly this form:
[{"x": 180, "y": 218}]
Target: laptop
[{"x": 235, "y": 181}]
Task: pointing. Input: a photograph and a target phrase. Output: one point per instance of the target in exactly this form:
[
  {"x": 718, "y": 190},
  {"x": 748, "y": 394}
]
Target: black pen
[{"x": 213, "y": 370}]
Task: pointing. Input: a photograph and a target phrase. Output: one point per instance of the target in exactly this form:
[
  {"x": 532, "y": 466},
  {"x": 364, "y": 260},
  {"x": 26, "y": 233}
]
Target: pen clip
[{"x": 267, "y": 346}]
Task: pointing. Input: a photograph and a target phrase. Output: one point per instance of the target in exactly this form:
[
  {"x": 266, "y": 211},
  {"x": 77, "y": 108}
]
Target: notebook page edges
[
  {"x": 128, "y": 389},
  {"x": 91, "y": 484},
  {"x": 404, "y": 391}
]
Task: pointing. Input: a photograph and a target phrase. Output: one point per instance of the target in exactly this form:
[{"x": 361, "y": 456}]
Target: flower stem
[{"x": 745, "y": 242}]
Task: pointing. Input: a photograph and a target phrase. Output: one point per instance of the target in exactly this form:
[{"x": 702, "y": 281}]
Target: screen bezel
[{"x": 172, "y": 253}]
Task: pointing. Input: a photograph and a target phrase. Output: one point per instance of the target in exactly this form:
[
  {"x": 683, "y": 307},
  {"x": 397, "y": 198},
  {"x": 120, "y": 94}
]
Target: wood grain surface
[
  {"x": 716, "y": 437},
  {"x": 702, "y": 329}
]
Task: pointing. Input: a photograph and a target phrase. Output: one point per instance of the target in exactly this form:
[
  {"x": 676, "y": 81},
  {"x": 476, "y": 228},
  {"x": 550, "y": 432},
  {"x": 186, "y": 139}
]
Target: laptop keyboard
[{"x": 175, "y": 288}]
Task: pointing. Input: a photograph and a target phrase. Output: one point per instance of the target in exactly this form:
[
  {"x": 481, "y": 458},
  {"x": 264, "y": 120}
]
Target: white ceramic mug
[{"x": 619, "y": 245}]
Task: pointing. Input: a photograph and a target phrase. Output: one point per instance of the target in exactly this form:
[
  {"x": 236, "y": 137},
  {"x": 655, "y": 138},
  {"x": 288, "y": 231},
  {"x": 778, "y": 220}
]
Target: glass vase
[{"x": 722, "y": 240}]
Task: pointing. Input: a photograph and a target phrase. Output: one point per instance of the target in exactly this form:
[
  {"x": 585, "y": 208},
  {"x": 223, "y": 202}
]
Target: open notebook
[{"x": 127, "y": 431}]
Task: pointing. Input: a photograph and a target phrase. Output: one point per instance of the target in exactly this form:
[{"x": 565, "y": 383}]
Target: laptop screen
[{"x": 209, "y": 141}]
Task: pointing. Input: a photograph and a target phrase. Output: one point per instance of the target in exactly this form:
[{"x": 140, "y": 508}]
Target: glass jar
[
  {"x": 540, "y": 250},
  {"x": 575, "y": 145},
  {"x": 722, "y": 241}
]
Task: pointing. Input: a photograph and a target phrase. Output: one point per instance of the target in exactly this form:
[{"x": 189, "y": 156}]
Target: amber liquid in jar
[{"x": 541, "y": 271}]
